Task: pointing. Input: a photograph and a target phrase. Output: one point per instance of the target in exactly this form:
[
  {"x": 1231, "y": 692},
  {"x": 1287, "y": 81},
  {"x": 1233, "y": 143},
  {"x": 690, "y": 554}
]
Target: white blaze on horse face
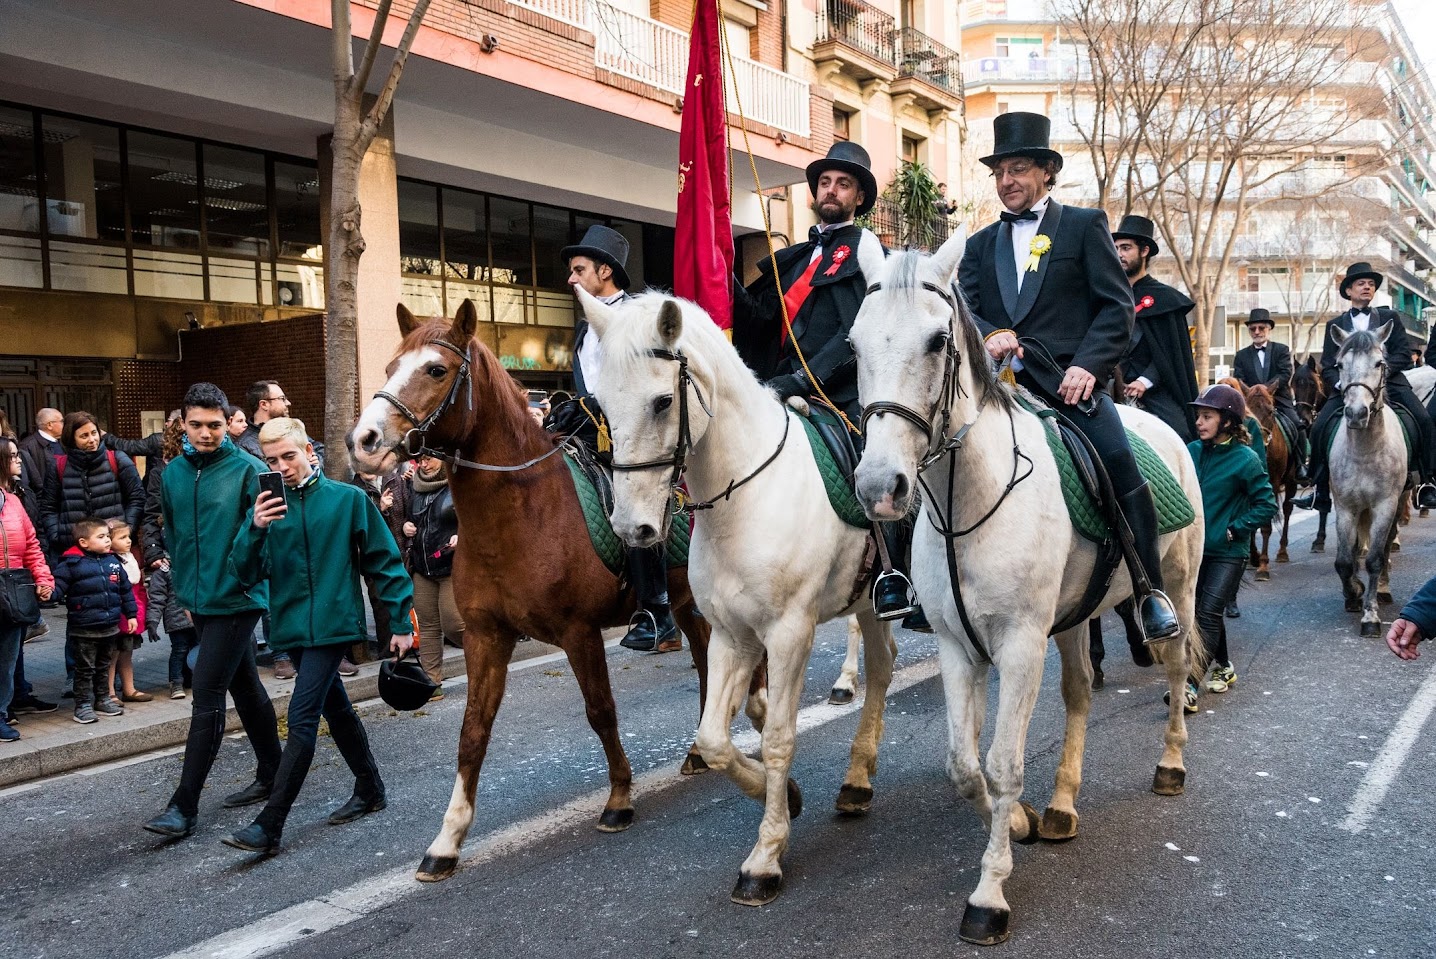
[{"x": 382, "y": 419}]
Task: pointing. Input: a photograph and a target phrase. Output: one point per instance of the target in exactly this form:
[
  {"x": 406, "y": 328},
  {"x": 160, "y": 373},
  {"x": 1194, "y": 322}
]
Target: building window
[
  {"x": 1003, "y": 107},
  {"x": 842, "y": 124},
  {"x": 1017, "y": 47},
  {"x": 420, "y": 249},
  {"x": 740, "y": 39},
  {"x": 236, "y": 226},
  {"x": 910, "y": 149}
]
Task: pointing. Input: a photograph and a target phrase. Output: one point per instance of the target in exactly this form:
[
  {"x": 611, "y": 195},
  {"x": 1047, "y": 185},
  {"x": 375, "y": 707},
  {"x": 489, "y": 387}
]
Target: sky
[{"x": 1416, "y": 16}]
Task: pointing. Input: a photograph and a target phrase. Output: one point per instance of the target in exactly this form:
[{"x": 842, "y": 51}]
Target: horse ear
[
  {"x": 947, "y": 256},
  {"x": 1338, "y": 335},
  {"x": 408, "y": 323},
  {"x": 1311, "y": 363},
  {"x": 870, "y": 257},
  {"x": 1383, "y": 331},
  {"x": 466, "y": 321},
  {"x": 598, "y": 313},
  {"x": 670, "y": 321}
]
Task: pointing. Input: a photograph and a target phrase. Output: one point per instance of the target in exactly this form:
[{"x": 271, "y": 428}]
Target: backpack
[{"x": 60, "y": 462}]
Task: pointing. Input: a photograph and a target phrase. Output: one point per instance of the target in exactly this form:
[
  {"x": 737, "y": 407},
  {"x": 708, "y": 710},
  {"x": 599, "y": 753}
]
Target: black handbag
[{"x": 19, "y": 603}]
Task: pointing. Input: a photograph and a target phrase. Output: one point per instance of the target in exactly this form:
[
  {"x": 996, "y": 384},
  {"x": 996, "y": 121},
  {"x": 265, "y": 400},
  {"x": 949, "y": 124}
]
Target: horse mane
[
  {"x": 1260, "y": 403},
  {"x": 1359, "y": 341},
  {"x": 902, "y": 276},
  {"x": 626, "y": 345}
]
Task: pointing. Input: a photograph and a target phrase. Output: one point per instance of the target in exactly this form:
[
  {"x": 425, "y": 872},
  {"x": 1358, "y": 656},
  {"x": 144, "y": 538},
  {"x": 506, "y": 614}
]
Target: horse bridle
[
  {"x": 1378, "y": 395},
  {"x": 415, "y": 442}
]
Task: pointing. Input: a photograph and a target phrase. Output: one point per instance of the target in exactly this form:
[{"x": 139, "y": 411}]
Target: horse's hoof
[
  {"x": 854, "y": 800},
  {"x": 1353, "y": 605},
  {"x": 1318, "y": 547},
  {"x": 1099, "y": 679},
  {"x": 795, "y": 800},
  {"x": 615, "y": 820},
  {"x": 1283, "y": 557},
  {"x": 756, "y": 890},
  {"x": 1396, "y": 547},
  {"x": 436, "y": 868},
  {"x": 1169, "y": 781},
  {"x": 1058, "y": 825},
  {"x": 1371, "y": 630},
  {"x": 1384, "y": 596},
  {"x": 1425, "y": 513},
  {"x": 1034, "y": 826},
  {"x": 984, "y": 926},
  {"x": 1262, "y": 575},
  {"x": 840, "y": 696},
  {"x": 693, "y": 765}
]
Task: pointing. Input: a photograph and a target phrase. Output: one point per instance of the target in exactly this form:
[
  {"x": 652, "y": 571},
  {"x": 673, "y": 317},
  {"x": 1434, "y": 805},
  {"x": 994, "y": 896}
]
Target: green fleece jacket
[
  {"x": 1236, "y": 495},
  {"x": 204, "y": 498},
  {"x": 315, "y": 559}
]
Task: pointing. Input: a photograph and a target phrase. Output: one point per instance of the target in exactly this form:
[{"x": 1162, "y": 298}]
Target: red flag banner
[{"x": 703, "y": 244}]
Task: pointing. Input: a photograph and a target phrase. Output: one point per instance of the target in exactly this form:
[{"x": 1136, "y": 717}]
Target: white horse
[
  {"x": 988, "y": 475},
  {"x": 1367, "y": 466},
  {"x": 1423, "y": 382},
  {"x": 770, "y": 559}
]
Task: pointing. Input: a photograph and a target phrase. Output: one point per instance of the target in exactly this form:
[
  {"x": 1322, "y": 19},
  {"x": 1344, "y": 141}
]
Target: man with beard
[
  {"x": 1159, "y": 369},
  {"x": 822, "y": 290},
  {"x": 1269, "y": 363}
]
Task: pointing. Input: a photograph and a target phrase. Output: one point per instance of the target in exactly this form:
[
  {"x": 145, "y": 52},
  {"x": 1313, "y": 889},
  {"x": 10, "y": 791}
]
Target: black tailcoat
[
  {"x": 1162, "y": 352},
  {"x": 821, "y": 326},
  {"x": 1398, "y": 348},
  {"x": 1277, "y": 376},
  {"x": 1078, "y": 302}
]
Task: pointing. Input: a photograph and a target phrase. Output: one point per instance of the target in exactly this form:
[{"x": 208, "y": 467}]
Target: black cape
[{"x": 1161, "y": 350}]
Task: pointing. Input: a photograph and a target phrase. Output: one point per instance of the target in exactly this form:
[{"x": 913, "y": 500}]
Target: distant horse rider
[
  {"x": 1359, "y": 285},
  {"x": 1048, "y": 290},
  {"x": 598, "y": 263},
  {"x": 1268, "y": 363},
  {"x": 823, "y": 289}
]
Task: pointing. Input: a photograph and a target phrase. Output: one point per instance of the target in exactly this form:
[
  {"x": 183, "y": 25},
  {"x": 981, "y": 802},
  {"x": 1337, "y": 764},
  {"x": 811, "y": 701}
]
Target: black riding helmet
[
  {"x": 1225, "y": 400},
  {"x": 404, "y": 685}
]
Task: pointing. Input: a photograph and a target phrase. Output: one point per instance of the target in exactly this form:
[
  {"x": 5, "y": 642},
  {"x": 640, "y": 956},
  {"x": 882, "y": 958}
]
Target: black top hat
[
  {"x": 602, "y": 245},
  {"x": 1138, "y": 229},
  {"x": 850, "y": 158},
  {"x": 1358, "y": 271},
  {"x": 1021, "y": 135},
  {"x": 1259, "y": 315}
]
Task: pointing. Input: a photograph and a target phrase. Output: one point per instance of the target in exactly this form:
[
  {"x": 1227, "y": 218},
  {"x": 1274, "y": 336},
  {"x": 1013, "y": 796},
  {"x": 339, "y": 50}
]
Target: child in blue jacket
[{"x": 92, "y": 582}]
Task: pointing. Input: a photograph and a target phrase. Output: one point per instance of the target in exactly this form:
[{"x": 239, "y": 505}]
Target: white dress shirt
[
  {"x": 827, "y": 228},
  {"x": 1360, "y": 319},
  {"x": 590, "y": 352},
  {"x": 1023, "y": 232}
]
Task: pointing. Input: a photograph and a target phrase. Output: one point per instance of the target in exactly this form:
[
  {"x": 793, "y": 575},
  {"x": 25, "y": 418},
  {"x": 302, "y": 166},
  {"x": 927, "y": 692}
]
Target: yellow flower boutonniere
[{"x": 1041, "y": 244}]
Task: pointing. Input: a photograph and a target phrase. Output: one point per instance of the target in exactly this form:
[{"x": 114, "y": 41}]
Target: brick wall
[
  {"x": 288, "y": 351},
  {"x": 767, "y": 37},
  {"x": 144, "y": 385}
]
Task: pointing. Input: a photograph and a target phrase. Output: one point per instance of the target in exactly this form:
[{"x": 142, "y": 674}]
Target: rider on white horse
[{"x": 1048, "y": 290}]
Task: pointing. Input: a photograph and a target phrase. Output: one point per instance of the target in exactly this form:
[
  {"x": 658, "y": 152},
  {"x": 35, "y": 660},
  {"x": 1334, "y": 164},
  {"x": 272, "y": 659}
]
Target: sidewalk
[{"x": 54, "y": 743}]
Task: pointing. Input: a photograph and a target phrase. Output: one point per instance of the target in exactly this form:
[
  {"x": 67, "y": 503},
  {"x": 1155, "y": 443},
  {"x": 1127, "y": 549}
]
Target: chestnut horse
[
  {"x": 524, "y": 564},
  {"x": 1280, "y": 467}
]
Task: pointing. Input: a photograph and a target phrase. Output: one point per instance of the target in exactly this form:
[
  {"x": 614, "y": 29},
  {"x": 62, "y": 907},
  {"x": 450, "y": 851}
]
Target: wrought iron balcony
[
  {"x": 922, "y": 58},
  {"x": 853, "y": 27}
]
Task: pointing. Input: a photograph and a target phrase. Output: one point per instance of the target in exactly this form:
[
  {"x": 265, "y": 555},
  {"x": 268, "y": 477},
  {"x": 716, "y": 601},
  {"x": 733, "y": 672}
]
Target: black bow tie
[
  {"x": 820, "y": 236},
  {"x": 1261, "y": 349},
  {"x": 1017, "y": 217}
]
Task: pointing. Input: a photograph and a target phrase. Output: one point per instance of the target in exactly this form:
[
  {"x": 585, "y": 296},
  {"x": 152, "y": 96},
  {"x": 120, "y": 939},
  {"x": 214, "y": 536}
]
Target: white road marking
[
  {"x": 1384, "y": 769},
  {"x": 279, "y": 930}
]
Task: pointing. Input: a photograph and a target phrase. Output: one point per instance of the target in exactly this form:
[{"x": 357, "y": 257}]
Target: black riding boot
[
  {"x": 652, "y": 625},
  {"x": 1096, "y": 651},
  {"x": 1319, "y": 498},
  {"x": 1303, "y": 455},
  {"x": 1127, "y": 611},
  {"x": 892, "y": 592},
  {"x": 1155, "y": 612}
]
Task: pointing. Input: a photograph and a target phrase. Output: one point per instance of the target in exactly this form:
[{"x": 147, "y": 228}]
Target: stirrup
[
  {"x": 634, "y": 622},
  {"x": 909, "y": 606},
  {"x": 1161, "y": 597}
]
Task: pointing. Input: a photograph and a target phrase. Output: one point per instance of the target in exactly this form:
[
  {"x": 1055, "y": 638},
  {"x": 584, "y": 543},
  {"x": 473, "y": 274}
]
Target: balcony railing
[
  {"x": 656, "y": 54},
  {"x": 923, "y": 57},
  {"x": 860, "y": 26},
  {"x": 1024, "y": 70},
  {"x": 886, "y": 219},
  {"x": 1405, "y": 234}
]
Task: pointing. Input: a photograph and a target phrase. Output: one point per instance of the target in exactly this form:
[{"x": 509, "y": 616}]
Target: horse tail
[{"x": 1197, "y": 656}]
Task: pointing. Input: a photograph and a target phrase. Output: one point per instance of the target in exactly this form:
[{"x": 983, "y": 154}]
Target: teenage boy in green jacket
[
  {"x": 204, "y": 498},
  {"x": 315, "y": 546}
]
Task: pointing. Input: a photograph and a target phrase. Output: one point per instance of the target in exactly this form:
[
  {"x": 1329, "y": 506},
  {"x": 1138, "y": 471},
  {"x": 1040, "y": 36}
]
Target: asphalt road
[{"x": 1285, "y": 844}]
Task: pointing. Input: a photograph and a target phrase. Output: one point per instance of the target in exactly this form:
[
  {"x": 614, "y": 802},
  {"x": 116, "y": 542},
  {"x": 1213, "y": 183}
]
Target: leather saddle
[
  {"x": 595, "y": 471},
  {"x": 835, "y": 436}
]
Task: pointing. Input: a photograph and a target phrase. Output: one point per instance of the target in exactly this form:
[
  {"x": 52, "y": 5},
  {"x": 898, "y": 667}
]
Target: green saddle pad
[
  {"x": 606, "y": 543},
  {"x": 1174, "y": 510},
  {"x": 1407, "y": 427},
  {"x": 840, "y": 491}
]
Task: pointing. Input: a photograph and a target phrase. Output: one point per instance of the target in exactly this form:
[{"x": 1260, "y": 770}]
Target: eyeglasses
[
  {"x": 1015, "y": 168},
  {"x": 281, "y": 396}
]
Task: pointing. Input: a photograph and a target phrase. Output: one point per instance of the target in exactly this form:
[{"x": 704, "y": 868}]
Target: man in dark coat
[
  {"x": 1359, "y": 285},
  {"x": 1159, "y": 369},
  {"x": 822, "y": 290},
  {"x": 1269, "y": 364},
  {"x": 1047, "y": 289}
]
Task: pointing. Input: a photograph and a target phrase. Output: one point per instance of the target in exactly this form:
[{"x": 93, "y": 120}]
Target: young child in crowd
[
  {"x": 164, "y": 610},
  {"x": 92, "y": 582},
  {"x": 121, "y": 544},
  {"x": 1237, "y": 498}
]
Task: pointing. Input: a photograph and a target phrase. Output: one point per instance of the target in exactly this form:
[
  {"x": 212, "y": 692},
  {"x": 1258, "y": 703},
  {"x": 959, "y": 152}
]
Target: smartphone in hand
[{"x": 273, "y": 483}]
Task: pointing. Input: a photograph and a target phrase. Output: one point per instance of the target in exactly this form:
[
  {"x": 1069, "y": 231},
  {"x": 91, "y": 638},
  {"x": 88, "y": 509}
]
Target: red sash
[{"x": 798, "y": 293}]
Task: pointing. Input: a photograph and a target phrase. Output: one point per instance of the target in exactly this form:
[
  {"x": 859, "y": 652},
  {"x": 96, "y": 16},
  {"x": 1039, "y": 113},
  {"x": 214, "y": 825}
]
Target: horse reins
[{"x": 415, "y": 441}]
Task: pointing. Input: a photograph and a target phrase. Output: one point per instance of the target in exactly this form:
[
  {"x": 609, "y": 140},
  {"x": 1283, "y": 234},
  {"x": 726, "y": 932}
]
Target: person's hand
[
  {"x": 401, "y": 643},
  {"x": 789, "y": 384},
  {"x": 410, "y": 529},
  {"x": 386, "y": 501},
  {"x": 44, "y": 592},
  {"x": 1136, "y": 389},
  {"x": 132, "y": 626},
  {"x": 1402, "y": 637},
  {"x": 1076, "y": 386},
  {"x": 314, "y": 460},
  {"x": 453, "y": 541},
  {"x": 268, "y": 508},
  {"x": 1002, "y": 345}
]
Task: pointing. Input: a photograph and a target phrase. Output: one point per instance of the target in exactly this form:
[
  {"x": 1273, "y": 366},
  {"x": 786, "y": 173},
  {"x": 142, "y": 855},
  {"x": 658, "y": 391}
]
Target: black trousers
[
  {"x": 1217, "y": 583},
  {"x": 648, "y": 572},
  {"x": 1104, "y": 428},
  {"x": 225, "y": 664},
  {"x": 318, "y": 690},
  {"x": 1399, "y": 394}
]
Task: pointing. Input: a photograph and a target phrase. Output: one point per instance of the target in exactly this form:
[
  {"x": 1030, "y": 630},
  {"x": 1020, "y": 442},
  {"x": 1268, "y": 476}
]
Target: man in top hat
[
  {"x": 1160, "y": 372},
  {"x": 598, "y": 264},
  {"x": 1048, "y": 290},
  {"x": 822, "y": 288},
  {"x": 1359, "y": 285},
  {"x": 1269, "y": 364}
]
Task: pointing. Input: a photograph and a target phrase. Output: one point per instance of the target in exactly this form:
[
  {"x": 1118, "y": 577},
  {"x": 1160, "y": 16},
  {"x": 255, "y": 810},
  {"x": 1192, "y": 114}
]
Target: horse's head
[
  {"x": 908, "y": 338},
  {"x": 654, "y": 386},
  {"x": 429, "y": 380},
  {"x": 1260, "y": 403},
  {"x": 1307, "y": 390},
  {"x": 1361, "y": 356}
]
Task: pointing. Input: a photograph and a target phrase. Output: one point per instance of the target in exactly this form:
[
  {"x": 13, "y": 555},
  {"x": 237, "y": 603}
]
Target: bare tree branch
[
  {"x": 371, "y": 49},
  {"x": 380, "y": 109},
  {"x": 341, "y": 50}
]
